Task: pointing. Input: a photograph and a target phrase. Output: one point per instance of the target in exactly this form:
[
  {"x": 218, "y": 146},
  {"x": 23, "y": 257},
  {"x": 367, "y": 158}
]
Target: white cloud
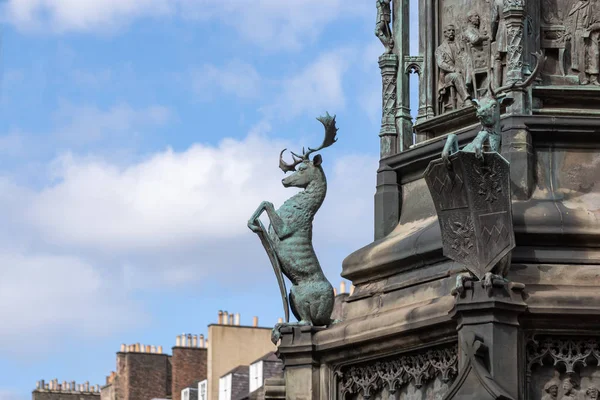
[
  {"x": 84, "y": 124},
  {"x": 56, "y": 294},
  {"x": 236, "y": 77},
  {"x": 274, "y": 24},
  {"x": 318, "y": 87}
]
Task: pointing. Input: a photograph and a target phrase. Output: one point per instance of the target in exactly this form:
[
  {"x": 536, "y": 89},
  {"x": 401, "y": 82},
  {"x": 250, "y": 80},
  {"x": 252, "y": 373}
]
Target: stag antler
[
  {"x": 285, "y": 167},
  {"x": 330, "y": 131},
  {"x": 516, "y": 85}
]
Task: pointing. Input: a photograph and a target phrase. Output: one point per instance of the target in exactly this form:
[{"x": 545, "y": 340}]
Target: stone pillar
[
  {"x": 388, "y": 63},
  {"x": 489, "y": 344},
  {"x": 301, "y": 369},
  {"x": 517, "y": 148},
  {"x": 400, "y": 30},
  {"x": 387, "y": 202},
  {"x": 514, "y": 17}
]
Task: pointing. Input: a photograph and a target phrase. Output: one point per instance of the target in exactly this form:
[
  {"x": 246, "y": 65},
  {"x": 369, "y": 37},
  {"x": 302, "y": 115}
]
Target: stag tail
[
  {"x": 516, "y": 85},
  {"x": 330, "y": 131}
]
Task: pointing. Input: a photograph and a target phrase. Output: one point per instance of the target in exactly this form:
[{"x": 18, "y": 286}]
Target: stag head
[
  {"x": 488, "y": 107},
  {"x": 304, "y": 168}
]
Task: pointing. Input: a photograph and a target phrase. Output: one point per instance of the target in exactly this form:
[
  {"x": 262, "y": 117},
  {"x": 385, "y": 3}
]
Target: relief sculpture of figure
[
  {"x": 551, "y": 390},
  {"x": 584, "y": 34},
  {"x": 476, "y": 57},
  {"x": 288, "y": 241},
  {"x": 592, "y": 393},
  {"x": 569, "y": 389},
  {"x": 500, "y": 40},
  {"x": 449, "y": 56},
  {"x": 382, "y": 28}
]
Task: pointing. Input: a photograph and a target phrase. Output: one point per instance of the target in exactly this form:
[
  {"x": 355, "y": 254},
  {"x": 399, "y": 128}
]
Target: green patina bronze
[
  {"x": 488, "y": 113},
  {"x": 288, "y": 241}
]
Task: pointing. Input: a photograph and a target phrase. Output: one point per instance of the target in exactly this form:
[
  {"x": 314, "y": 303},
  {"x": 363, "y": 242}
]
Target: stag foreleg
[
  {"x": 280, "y": 227},
  {"x": 450, "y": 148},
  {"x": 477, "y": 144}
]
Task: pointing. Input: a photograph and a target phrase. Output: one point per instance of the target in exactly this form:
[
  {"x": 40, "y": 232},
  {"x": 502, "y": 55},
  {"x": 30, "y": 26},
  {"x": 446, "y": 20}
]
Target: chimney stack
[
  {"x": 255, "y": 321},
  {"x": 343, "y": 287}
]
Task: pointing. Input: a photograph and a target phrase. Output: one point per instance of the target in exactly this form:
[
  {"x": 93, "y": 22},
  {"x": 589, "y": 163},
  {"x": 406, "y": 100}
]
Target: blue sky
[{"x": 137, "y": 137}]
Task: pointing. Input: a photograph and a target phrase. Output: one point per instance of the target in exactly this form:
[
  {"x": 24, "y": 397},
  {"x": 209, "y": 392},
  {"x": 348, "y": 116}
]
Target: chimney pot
[
  {"x": 201, "y": 340},
  {"x": 189, "y": 340},
  {"x": 220, "y": 320},
  {"x": 123, "y": 348},
  {"x": 47, "y": 386},
  {"x": 255, "y": 321},
  {"x": 334, "y": 291},
  {"x": 148, "y": 349},
  {"x": 87, "y": 386},
  {"x": 42, "y": 384},
  {"x": 195, "y": 341},
  {"x": 342, "y": 287},
  {"x": 206, "y": 344},
  {"x": 64, "y": 385},
  {"x": 279, "y": 320},
  {"x": 142, "y": 348},
  {"x": 225, "y": 318},
  {"x": 178, "y": 341},
  {"x": 237, "y": 319},
  {"x": 159, "y": 349}
]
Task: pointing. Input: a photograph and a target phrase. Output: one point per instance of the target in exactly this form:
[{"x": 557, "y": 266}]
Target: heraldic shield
[{"x": 472, "y": 200}]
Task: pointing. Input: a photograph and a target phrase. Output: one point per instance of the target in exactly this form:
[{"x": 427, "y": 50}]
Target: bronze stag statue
[{"x": 288, "y": 241}]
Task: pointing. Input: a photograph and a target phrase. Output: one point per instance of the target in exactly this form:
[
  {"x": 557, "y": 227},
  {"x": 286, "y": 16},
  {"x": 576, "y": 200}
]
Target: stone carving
[
  {"x": 449, "y": 58},
  {"x": 564, "y": 368},
  {"x": 288, "y": 241},
  {"x": 388, "y": 63},
  {"x": 583, "y": 22},
  {"x": 550, "y": 12},
  {"x": 382, "y": 27},
  {"x": 488, "y": 113},
  {"x": 427, "y": 373},
  {"x": 499, "y": 41},
  {"x": 474, "y": 380},
  {"x": 551, "y": 390},
  {"x": 477, "y": 53}
]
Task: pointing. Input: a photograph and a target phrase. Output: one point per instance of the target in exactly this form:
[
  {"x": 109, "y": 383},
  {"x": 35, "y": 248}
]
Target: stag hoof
[
  {"x": 461, "y": 280},
  {"x": 254, "y": 227},
  {"x": 491, "y": 280}
]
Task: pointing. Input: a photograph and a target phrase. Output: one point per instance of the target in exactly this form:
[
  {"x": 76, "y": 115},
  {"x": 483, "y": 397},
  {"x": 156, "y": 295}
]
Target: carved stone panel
[
  {"x": 563, "y": 368},
  {"x": 426, "y": 375}
]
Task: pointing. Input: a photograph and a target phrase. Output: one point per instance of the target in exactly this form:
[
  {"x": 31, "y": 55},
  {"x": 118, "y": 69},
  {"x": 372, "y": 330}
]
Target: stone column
[
  {"x": 427, "y": 44},
  {"x": 301, "y": 369},
  {"x": 387, "y": 202},
  {"x": 489, "y": 344},
  {"x": 400, "y": 30},
  {"x": 514, "y": 17},
  {"x": 388, "y": 63}
]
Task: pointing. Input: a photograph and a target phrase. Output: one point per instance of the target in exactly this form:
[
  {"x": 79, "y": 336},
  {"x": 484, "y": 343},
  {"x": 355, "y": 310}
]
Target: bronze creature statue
[
  {"x": 288, "y": 241},
  {"x": 488, "y": 113}
]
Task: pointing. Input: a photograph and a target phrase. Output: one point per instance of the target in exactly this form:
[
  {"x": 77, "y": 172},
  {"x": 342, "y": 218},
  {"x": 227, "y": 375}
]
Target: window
[
  {"x": 225, "y": 388},
  {"x": 185, "y": 394},
  {"x": 256, "y": 376},
  {"x": 202, "y": 395}
]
